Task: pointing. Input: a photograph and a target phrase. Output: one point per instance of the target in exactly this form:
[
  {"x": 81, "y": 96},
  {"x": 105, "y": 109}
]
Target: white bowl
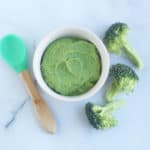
[{"x": 73, "y": 32}]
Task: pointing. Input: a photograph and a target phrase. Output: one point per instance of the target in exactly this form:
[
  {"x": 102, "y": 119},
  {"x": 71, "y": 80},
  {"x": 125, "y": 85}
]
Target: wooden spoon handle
[{"x": 44, "y": 115}]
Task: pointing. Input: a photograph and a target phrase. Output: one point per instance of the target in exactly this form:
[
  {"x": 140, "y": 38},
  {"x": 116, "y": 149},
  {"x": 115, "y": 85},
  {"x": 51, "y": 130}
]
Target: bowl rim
[{"x": 76, "y": 32}]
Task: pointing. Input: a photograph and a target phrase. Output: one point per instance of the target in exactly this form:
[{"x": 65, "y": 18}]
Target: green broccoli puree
[{"x": 71, "y": 66}]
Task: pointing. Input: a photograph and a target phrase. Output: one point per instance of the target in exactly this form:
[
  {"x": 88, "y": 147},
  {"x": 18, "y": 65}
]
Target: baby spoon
[{"x": 14, "y": 52}]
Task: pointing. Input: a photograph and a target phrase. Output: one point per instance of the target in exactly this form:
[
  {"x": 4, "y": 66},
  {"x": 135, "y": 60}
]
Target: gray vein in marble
[
  {"x": 17, "y": 110},
  {"x": 15, "y": 113}
]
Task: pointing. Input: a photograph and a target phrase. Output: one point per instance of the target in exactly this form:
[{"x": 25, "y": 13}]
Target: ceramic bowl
[{"x": 71, "y": 32}]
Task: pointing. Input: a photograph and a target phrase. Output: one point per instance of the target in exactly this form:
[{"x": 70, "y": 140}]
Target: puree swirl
[{"x": 71, "y": 66}]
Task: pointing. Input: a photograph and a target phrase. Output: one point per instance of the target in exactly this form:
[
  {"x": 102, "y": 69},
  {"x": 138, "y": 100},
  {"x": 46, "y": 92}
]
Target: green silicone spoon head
[{"x": 14, "y": 52}]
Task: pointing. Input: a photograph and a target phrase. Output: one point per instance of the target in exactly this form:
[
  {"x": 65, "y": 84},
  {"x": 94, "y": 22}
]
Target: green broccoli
[
  {"x": 100, "y": 117},
  {"x": 124, "y": 79},
  {"x": 115, "y": 40}
]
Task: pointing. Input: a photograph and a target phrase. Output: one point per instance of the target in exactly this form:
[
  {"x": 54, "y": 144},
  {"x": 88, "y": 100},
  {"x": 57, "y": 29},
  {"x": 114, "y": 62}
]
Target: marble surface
[{"x": 32, "y": 19}]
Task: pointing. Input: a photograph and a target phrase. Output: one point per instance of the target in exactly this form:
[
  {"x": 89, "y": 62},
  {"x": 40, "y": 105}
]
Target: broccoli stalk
[
  {"x": 100, "y": 117},
  {"x": 132, "y": 55},
  {"x": 115, "y": 40},
  {"x": 124, "y": 79},
  {"x": 112, "y": 91}
]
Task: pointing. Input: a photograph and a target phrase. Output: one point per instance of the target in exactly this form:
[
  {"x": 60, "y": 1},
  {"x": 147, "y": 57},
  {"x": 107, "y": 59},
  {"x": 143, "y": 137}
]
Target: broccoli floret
[
  {"x": 100, "y": 117},
  {"x": 115, "y": 40},
  {"x": 124, "y": 79}
]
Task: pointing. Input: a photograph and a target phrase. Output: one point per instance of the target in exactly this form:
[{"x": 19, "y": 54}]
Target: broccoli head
[
  {"x": 100, "y": 117},
  {"x": 115, "y": 41},
  {"x": 124, "y": 79}
]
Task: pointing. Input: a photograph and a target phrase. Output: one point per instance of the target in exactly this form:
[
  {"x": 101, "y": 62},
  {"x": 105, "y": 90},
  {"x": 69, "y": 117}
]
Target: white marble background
[{"x": 32, "y": 19}]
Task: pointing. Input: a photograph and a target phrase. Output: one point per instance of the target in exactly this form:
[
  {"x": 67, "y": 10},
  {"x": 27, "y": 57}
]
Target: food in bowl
[{"x": 71, "y": 66}]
